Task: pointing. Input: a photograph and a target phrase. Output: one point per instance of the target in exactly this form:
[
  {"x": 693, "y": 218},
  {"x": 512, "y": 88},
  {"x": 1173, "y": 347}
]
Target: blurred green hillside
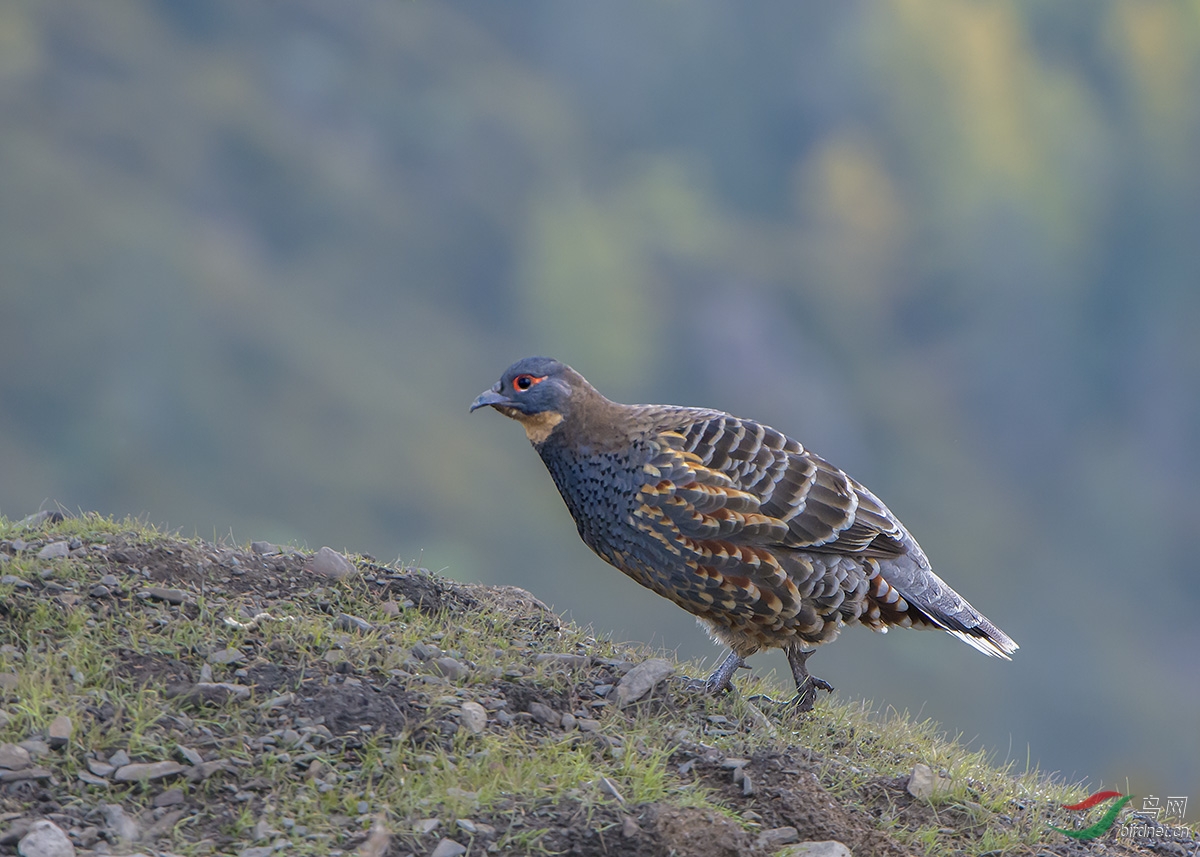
[{"x": 257, "y": 259}]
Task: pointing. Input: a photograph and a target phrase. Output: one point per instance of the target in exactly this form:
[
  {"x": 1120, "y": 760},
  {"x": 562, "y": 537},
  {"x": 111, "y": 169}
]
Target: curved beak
[{"x": 490, "y": 397}]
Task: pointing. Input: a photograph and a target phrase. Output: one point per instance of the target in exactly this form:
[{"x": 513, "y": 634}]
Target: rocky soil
[{"x": 168, "y": 696}]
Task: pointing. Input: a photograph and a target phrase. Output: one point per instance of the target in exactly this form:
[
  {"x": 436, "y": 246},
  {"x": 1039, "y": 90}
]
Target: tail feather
[{"x": 944, "y": 608}]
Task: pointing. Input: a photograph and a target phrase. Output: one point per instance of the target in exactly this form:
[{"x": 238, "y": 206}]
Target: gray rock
[
  {"x": 201, "y": 772},
  {"x": 264, "y": 548},
  {"x": 220, "y": 692},
  {"x": 91, "y": 779},
  {"x": 101, "y": 769},
  {"x": 162, "y": 593},
  {"x": 641, "y": 680},
  {"x": 119, "y": 759},
  {"x": 53, "y": 516},
  {"x": 99, "y": 591},
  {"x": 426, "y": 825},
  {"x": 24, "y": 774},
  {"x": 816, "y": 848},
  {"x": 568, "y": 721},
  {"x": 58, "y": 734},
  {"x": 425, "y": 651},
  {"x": 111, "y": 581},
  {"x": 124, "y": 828},
  {"x": 35, "y": 746},
  {"x": 448, "y": 848},
  {"x": 189, "y": 755},
  {"x": 171, "y": 797},
  {"x": 474, "y": 717},
  {"x": 923, "y": 783},
  {"x": 544, "y": 714},
  {"x": 330, "y": 563},
  {"x": 226, "y": 656},
  {"x": 45, "y": 839},
  {"x": 567, "y": 661},
  {"x": 54, "y": 550},
  {"x": 257, "y": 851},
  {"x": 162, "y": 826},
  {"x": 629, "y": 828},
  {"x": 14, "y": 758},
  {"x": 774, "y": 839},
  {"x": 451, "y": 669},
  {"x": 346, "y": 622},
  {"x": 609, "y": 788},
  {"x": 139, "y": 771}
]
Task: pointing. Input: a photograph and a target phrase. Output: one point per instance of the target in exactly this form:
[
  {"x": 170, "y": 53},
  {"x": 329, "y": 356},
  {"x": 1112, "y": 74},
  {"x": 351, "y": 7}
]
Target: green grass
[{"x": 65, "y": 652}]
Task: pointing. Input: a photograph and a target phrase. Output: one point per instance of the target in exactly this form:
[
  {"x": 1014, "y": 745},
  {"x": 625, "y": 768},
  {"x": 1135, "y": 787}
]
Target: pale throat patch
[{"x": 538, "y": 426}]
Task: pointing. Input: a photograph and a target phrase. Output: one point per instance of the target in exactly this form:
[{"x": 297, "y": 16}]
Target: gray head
[{"x": 537, "y": 392}]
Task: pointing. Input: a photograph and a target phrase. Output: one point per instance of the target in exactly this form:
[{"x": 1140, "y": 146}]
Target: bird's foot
[
  {"x": 807, "y": 685},
  {"x": 801, "y": 702},
  {"x": 721, "y": 679},
  {"x": 804, "y": 700}
]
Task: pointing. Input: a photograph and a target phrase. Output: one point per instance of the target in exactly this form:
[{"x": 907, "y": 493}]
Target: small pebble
[
  {"x": 122, "y": 826},
  {"x": 100, "y": 769},
  {"x": 35, "y": 746},
  {"x": 59, "y": 732},
  {"x": 226, "y": 656},
  {"x": 640, "y": 680},
  {"x": 610, "y": 788},
  {"x": 14, "y": 757},
  {"x": 330, "y": 563},
  {"x": 474, "y": 717},
  {"x": 140, "y": 771},
  {"x": 774, "y": 839},
  {"x": 54, "y": 550},
  {"x": 45, "y": 839},
  {"x": 448, "y": 848},
  {"x": 450, "y": 668},
  {"x": 171, "y": 797},
  {"x": 162, "y": 593},
  {"x": 346, "y": 622},
  {"x": 189, "y": 755}
]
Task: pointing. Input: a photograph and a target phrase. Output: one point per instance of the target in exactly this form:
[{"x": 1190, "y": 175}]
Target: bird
[{"x": 765, "y": 542}]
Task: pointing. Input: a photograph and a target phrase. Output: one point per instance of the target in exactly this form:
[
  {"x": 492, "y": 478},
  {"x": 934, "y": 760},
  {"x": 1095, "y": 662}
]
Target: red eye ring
[{"x": 524, "y": 382}]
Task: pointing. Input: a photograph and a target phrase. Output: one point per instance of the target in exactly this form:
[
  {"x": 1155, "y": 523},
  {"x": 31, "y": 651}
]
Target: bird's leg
[
  {"x": 720, "y": 680},
  {"x": 806, "y": 685}
]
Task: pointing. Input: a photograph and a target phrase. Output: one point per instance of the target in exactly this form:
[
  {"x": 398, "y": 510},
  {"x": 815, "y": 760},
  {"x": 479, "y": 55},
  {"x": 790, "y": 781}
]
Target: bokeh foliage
[{"x": 255, "y": 260}]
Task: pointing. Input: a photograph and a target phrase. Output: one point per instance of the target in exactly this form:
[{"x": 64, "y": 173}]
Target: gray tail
[{"x": 944, "y": 608}]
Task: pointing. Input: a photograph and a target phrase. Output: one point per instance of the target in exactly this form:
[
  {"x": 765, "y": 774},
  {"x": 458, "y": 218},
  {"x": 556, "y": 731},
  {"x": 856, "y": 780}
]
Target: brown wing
[
  {"x": 772, "y": 530},
  {"x": 825, "y": 511}
]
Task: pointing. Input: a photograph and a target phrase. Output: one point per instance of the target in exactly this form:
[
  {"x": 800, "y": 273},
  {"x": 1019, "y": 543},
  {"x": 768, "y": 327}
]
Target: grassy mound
[{"x": 196, "y": 698}]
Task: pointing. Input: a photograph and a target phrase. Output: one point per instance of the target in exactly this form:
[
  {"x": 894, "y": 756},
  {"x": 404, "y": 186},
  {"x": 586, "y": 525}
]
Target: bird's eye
[{"x": 524, "y": 382}]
